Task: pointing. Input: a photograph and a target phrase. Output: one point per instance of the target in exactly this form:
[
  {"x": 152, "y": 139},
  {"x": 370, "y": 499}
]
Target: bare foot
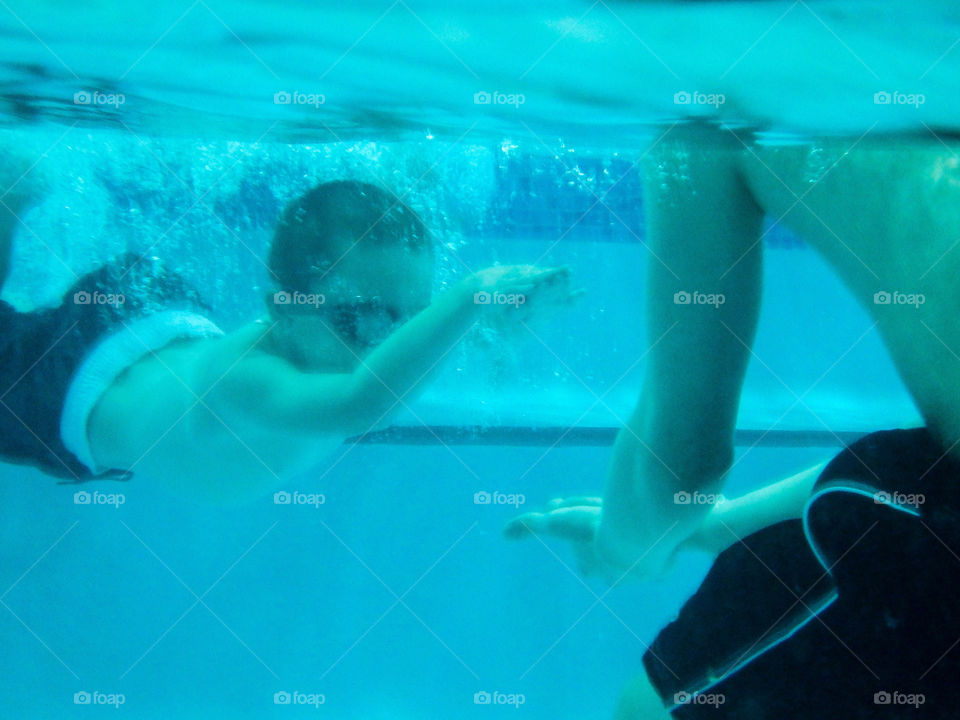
[
  {"x": 23, "y": 182},
  {"x": 22, "y": 185}
]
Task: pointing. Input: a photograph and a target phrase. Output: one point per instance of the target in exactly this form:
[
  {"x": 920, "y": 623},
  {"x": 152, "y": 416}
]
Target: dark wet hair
[{"x": 320, "y": 225}]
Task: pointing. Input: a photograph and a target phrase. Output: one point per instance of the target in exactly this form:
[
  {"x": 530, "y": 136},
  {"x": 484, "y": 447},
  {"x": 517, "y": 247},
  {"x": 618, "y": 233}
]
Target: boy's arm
[
  {"x": 275, "y": 393},
  {"x": 703, "y": 235},
  {"x": 576, "y": 519},
  {"x": 732, "y": 520},
  {"x": 279, "y": 395}
]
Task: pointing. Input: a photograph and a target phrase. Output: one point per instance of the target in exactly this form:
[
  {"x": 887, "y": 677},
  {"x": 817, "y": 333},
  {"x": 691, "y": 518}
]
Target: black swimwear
[
  {"x": 852, "y": 613},
  {"x": 43, "y": 352}
]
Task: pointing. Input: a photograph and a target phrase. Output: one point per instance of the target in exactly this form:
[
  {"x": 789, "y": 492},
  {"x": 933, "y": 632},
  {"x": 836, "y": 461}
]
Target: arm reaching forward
[{"x": 577, "y": 518}]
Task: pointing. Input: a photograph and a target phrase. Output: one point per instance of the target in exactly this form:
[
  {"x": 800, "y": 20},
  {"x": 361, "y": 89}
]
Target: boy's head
[{"x": 350, "y": 258}]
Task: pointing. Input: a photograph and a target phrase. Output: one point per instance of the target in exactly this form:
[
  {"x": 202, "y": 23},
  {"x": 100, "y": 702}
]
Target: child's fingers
[
  {"x": 568, "y": 523},
  {"x": 555, "y": 275},
  {"x": 550, "y": 276},
  {"x": 573, "y": 523}
]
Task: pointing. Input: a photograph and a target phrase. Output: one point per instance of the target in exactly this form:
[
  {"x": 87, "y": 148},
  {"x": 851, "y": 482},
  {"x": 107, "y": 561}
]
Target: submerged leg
[
  {"x": 21, "y": 186},
  {"x": 639, "y": 701},
  {"x": 7, "y": 224}
]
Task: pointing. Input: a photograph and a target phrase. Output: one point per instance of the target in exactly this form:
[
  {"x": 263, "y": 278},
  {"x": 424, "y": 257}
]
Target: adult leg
[{"x": 639, "y": 701}]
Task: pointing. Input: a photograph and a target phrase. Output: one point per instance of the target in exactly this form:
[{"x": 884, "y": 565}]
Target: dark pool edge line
[{"x": 580, "y": 436}]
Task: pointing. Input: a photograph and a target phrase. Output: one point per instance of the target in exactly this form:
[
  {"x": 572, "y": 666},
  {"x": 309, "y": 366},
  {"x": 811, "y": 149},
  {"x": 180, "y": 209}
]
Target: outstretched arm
[
  {"x": 396, "y": 371},
  {"x": 577, "y": 518},
  {"x": 704, "y": 239},
  {"x": 403, "y": 365},
  {"x": 732, "y": 520}
]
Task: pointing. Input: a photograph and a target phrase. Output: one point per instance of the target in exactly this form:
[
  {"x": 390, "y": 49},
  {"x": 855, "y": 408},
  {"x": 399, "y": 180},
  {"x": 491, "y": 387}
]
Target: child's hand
[
  {"x": 517, "y": 278},
  {"x": 575, "y": 519},
  {"x": 522, "y": 292}
]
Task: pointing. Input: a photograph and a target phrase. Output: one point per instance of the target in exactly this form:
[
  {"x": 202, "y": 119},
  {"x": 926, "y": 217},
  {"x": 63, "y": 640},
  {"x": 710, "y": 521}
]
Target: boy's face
[{"x": 367, "y": 295}]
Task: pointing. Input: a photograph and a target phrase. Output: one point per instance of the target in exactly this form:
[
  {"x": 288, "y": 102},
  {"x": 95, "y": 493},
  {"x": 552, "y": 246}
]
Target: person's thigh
[
  {"x": 639, "y": 701},
  {"x": 885, "y": 215},
  {"x": 6, "y": 247}
]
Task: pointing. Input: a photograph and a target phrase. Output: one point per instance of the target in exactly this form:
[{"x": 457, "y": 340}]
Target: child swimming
[{"x": 129, "y": 375}]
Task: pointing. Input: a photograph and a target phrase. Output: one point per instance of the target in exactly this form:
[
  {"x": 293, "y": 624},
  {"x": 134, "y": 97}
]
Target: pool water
[
  {"x": 378, "y": 586},
  {"x": 397, "y": 597},
  {"x": 587, "y": 72}
]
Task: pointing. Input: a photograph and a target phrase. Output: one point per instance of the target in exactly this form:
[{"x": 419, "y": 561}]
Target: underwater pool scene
[{"x": 406, "y": 359}]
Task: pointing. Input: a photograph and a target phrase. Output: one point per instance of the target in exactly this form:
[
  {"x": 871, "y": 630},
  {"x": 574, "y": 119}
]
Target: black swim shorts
[
  {"x": 851, "y": 613},
  {"x": 56, "y": 363}
]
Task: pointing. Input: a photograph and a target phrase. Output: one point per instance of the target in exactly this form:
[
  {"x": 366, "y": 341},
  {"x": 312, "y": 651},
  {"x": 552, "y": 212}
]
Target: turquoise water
[
  {"x": 397, "y": 596},
  {"x": 306, "y": 599},
  {"x": 590, "y": 72}
]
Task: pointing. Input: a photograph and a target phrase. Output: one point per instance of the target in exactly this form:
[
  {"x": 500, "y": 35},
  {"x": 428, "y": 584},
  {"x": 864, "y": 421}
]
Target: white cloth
[{"x": 108, "y": 359}]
